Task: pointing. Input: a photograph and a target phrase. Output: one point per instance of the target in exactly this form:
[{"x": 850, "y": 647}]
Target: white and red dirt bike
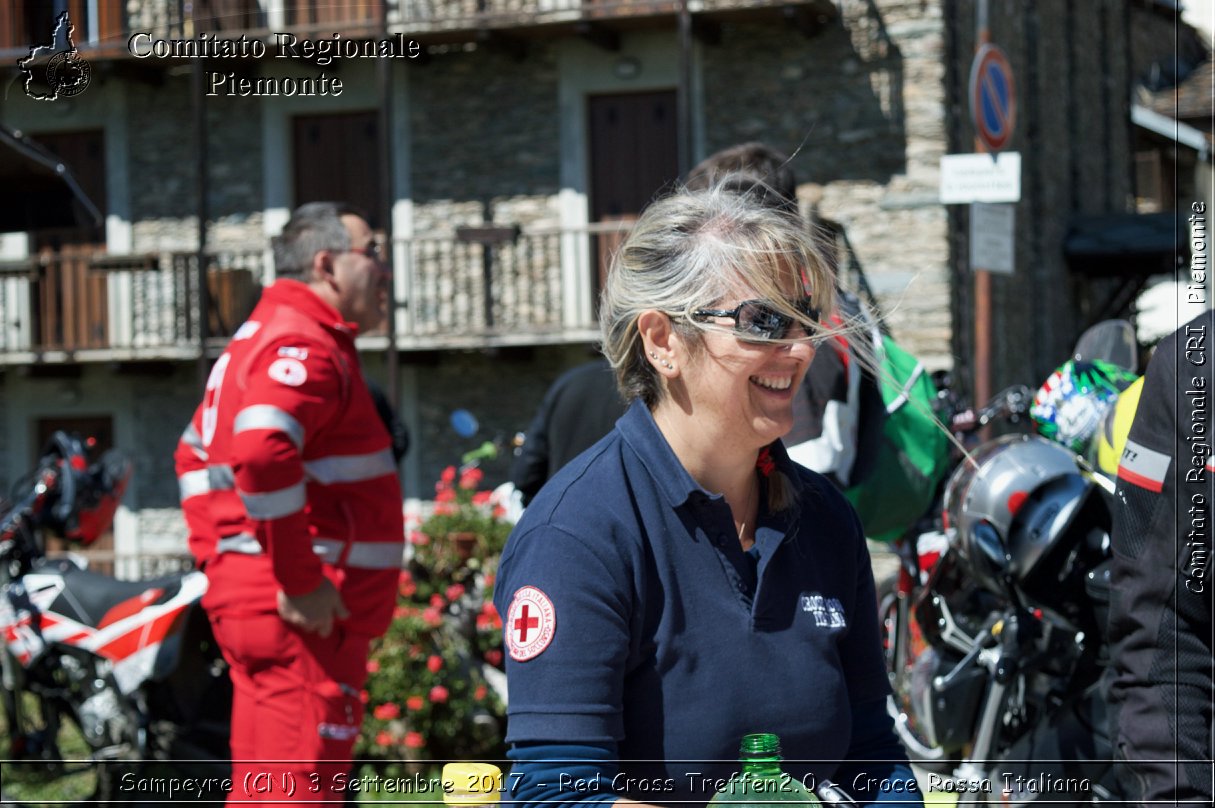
[{"x": 132, "y": 664}]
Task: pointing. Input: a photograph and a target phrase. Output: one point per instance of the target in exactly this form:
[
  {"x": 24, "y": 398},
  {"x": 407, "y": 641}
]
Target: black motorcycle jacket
[{"x": 1160, "y": 676}]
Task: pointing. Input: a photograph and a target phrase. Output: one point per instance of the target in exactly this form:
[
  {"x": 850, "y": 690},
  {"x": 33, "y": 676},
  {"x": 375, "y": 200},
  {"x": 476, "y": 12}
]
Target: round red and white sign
[{"x": 531, "y": 621}]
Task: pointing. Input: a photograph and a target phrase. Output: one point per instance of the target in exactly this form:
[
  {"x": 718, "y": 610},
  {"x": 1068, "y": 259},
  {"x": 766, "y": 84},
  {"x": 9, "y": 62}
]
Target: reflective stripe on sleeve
[
  {"x": 203, "y": 481},
  {"x": 275, "y": 504},
  {"x": 376, "y": 555},
  {"x": 243, "y": 543},
  {"x": 265, "y": 416},
  {"x": 367, "y": 555},
  {"x": 350, "y": 468},
  {"x": 192, "y": 439}
]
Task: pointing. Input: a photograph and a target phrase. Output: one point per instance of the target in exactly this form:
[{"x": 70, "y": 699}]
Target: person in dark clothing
[
  {"x": 392, "y": 422},
  {"x": 579, "y": 408},
  {"x": 1160, "y": 611}
]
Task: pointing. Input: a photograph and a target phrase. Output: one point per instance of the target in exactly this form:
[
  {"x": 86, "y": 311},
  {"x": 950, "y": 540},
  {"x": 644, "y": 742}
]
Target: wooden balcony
[
  {"x": 104, "y": 34},
  {"x": 478, "y": 287}
]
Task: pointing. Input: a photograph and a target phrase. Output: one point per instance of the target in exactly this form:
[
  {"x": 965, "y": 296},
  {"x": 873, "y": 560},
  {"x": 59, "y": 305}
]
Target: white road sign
[{"x": 967, "y": 178}]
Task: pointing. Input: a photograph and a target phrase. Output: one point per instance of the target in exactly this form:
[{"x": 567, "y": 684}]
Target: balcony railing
[
  {"x": 481, "y": 286},
  {"x": 103, "y": 27}
]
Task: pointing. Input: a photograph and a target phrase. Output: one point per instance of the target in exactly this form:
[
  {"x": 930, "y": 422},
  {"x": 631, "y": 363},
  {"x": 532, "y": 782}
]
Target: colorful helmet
[{"x": 1071, "y": 403}]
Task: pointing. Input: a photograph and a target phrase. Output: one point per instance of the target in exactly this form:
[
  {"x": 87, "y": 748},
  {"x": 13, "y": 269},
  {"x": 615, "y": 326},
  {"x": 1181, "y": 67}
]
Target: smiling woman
[{"x": 690, "y": 582}]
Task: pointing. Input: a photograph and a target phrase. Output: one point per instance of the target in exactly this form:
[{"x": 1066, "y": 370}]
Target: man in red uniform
[{"x": 290, "y": 491}]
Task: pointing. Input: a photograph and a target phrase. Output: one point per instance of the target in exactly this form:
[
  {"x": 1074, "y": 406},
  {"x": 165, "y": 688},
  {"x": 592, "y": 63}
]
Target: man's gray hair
[{"x": 313, "y": 227}]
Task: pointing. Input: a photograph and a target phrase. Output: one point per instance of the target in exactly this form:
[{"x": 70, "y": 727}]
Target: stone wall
[
  {"x": 163, "y": 168},
  {"x": 860, "y": 106}
]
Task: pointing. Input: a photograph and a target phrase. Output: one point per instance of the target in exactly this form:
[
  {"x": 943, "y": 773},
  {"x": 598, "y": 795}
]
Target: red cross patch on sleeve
[{"x": 531, "y": 622}]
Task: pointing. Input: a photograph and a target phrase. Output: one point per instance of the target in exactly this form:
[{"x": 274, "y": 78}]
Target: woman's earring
[{"x": 662, "y": 362}]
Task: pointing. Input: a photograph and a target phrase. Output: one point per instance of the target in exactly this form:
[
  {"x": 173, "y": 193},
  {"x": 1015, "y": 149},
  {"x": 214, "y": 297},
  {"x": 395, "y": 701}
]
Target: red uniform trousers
[{"x": 296, "y": 708}]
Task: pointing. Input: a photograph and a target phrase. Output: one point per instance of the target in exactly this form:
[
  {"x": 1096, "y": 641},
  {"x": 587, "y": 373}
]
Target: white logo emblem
[
  {"x": 290, "y": 372},
  {"x": 827, "y": 612},
  {"x": 531, "y": 621}
]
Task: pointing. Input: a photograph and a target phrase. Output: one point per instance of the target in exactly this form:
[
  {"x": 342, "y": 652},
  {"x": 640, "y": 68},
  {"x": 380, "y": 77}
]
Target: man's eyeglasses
[
  {"x": 757, "y": 320},
  {"x": 371, "y": 250}
]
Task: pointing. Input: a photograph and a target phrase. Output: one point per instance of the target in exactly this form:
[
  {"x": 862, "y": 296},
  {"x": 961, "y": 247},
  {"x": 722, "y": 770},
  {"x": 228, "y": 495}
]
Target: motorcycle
[
  {"x": 918, "y": 551},
  {"x": 131, "y": 665},
  {"x": 1013, "y": 617}
]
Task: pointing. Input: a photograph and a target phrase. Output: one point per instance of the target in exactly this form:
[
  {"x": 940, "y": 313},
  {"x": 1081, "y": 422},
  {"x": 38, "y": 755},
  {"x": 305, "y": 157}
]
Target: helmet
[
  {"x": 86, "y": 495},
  {"x": 1022, "y": 498},
  {"x": 985, "y": 494},
  {"x": 1072, "y": 401}
]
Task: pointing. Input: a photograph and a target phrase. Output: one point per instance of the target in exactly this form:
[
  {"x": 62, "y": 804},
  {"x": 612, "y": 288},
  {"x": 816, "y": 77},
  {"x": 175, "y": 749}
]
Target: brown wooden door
[
  {"x": 634, "y": 156},
  {"x": 70, "y": 301},
  {"x": 335, "y": 161}
]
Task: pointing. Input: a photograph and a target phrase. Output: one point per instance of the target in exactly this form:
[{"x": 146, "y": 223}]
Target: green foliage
[{"x": 435, "y": 689}]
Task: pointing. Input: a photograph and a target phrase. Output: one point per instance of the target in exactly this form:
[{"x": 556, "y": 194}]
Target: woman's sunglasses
[{"x": 758, "y": 321}]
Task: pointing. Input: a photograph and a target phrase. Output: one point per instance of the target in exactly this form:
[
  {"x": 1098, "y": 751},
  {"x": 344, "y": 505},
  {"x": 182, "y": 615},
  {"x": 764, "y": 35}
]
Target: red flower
[
  {"x": 418, "y": 538},
  {"x": 482, "y": 497},
  {"x": 373, "y": 666},
  {"x": 414, "y": 740},
  {"x": 455, "y": 592},
  {"x": 364, "y": 696},
  {"x": 438, "y": 694},
  {"x": 405, "y": 575},
  {"x": 489, "y": 581},
  {"x": 446, "y": 508},
  {"x": 400, "y": 612},
  {"x": 471, "y": 478},
  {"x": 480, "y": 693},
  {"x": 436, "y": 601},
  {"x": 448, "y": 475},
  {"x": 386, "y": 712},
  {"x": 434, "y": 664},
  {"x": 494, "y": 657},
  {"x": 499, "y": 512},
  {"x": 414, "y": 703},
  {"x": 445, "y": 495},
  {"x": 384, "y": 738},
  {"x": 415, "y": 651},
  {"x": 408, "y": 590},
  {"x": 433, "y": 617}
]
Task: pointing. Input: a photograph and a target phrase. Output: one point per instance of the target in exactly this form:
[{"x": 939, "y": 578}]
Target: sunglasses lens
[{"x": 757, "y": 319}]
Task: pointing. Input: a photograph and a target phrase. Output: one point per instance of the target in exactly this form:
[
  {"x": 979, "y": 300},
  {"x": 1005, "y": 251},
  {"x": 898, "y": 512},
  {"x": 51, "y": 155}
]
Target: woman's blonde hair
[{"x": 689, "y": 251}]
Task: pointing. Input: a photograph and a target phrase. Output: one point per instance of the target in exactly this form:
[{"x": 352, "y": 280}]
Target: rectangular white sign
[
  {"x": 969, "y": 178},
  {"x": 993, "y": 235}
]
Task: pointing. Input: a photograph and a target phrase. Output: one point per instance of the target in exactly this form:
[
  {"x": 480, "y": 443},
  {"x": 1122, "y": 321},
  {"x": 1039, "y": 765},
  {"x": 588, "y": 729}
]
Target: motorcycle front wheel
[
  {"x": 47, "y": 757},
  {"x": 899, "y": 645}
]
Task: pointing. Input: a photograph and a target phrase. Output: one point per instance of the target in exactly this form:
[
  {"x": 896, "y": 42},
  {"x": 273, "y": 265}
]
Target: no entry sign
[{"x": 993, "y": 97}]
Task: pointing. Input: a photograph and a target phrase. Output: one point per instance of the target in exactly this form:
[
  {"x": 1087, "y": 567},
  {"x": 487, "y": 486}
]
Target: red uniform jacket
[{"x": 286, "y": 471}]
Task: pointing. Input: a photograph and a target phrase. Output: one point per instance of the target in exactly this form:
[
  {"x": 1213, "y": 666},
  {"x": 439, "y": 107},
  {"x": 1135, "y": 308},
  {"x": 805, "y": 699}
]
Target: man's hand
[{"x": 315, "y": 610}]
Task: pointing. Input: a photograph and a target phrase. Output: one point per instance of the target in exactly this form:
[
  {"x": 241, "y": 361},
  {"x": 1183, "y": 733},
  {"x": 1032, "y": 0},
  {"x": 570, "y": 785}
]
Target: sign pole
[{"x": 982, "y": 286}]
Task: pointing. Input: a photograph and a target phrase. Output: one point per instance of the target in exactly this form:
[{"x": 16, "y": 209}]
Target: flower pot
[{"x": 464, "y": 542}]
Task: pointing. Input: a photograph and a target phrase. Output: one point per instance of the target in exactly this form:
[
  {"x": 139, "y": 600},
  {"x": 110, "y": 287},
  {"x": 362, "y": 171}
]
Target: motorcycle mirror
[
  {"x": 464, "y": 423},
  {"x": 1111, "y": 341}
]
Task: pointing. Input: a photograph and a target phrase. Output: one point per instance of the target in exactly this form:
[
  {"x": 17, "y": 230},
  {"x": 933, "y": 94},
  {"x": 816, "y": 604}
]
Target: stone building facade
[{"x": 493, "y": 128}]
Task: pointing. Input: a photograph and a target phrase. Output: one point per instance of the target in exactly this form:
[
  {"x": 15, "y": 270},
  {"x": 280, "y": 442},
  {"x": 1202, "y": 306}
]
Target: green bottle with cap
[
  {"x": 466, "y": 784},
  {"x": 761, "y": 781}
]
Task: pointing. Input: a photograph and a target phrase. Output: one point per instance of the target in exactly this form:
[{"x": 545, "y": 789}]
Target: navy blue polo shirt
[{"x": 633, "y": 616}]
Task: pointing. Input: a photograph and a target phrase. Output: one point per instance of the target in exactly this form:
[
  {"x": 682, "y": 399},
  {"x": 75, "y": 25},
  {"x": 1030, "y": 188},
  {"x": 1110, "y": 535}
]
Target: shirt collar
[
  {"x": 642, "y": 435},
  {"x": 298, "y": 295}
]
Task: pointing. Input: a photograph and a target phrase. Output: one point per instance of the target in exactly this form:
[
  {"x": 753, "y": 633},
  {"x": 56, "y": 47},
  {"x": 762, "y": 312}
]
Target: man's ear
[{"x": 321, "y": 270}]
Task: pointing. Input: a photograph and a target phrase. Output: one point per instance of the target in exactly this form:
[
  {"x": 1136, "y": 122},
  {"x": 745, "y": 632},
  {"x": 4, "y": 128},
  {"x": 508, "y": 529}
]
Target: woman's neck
[{"x": 715, "y": 464}]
